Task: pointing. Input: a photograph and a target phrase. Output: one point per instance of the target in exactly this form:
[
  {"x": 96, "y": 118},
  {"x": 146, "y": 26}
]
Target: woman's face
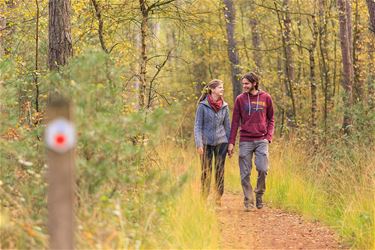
[{"x": 219, "y": 90}]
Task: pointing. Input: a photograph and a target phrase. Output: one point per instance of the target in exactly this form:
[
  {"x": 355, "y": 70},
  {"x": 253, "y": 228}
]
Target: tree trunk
[
  {"x": 60, "y": 47},
  {"x": 98, "y": 15},
  {"x": 300, "y": 68},
  {"x": 3, "y": 23},
  {"x": 289, "y": 64},
  {"x": 255, "y": 38},
  {"x": 281, "y": 105},
  {"x": 347, "y": 62},
  {"x": 313, "y": 84},
  {"x": 358, "y": 63},
  {"x": 285, "y": 29},
  {"x": 143, "y": 71},
  {"x": 229, "y": 14},
  {"x": 371, "y": 10},
  {"x": 325, "y": 69},
  {"x": 36, "y": 58},
  {"x": 371, "y": 75}
]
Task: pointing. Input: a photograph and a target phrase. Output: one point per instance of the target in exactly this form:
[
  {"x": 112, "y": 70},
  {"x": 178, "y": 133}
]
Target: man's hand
[
  {"x": 200, "y": 150},
  {"x": 230, "y": 149}
]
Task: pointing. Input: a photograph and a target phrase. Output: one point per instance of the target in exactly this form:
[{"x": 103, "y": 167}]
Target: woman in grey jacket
[{"x": 211, "y": 131}]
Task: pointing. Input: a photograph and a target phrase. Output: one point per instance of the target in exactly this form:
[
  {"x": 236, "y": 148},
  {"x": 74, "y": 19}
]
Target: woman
[{"x": 211, "y": 131}]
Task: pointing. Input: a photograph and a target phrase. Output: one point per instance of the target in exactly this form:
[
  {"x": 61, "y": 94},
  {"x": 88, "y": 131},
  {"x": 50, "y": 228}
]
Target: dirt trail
[{"x": 269, "y": 228}]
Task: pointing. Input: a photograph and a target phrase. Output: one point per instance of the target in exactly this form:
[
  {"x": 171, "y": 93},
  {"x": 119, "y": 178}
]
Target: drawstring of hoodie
[{"x": 248, "y": 98}]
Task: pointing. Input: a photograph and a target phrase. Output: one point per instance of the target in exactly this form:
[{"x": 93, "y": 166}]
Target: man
[{"x": 252, "y": 111}]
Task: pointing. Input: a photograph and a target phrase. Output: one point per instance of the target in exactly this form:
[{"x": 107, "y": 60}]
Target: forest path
[{"x": 269, "y": 228}]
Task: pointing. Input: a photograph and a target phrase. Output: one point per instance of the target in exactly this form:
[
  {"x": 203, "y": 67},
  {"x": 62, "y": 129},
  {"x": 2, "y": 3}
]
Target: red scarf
[{"x": 215, "y": 105}]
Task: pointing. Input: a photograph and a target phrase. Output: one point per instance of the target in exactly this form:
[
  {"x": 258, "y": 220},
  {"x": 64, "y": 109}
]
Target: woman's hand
[
  {"x": 230, "y": 149},
  {"x": 200, "y": 150}
]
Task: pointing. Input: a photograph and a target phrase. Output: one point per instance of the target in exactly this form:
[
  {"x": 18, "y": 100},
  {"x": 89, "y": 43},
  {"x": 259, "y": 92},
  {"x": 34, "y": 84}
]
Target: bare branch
[
  {"x": 283, "y": 11},
  {"x": 158, "y": 4},
  {"x": 159, "y": 68}
]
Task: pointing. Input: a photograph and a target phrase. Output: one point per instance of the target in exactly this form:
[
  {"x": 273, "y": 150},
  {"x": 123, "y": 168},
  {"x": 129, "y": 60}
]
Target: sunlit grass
[{"x": 191, "y": 222}]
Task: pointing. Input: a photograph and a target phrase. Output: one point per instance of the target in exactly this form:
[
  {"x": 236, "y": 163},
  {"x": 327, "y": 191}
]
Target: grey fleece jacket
[{"x": 211, "y": 128}]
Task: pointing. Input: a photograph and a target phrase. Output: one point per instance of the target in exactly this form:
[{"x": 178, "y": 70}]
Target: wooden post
[{"x": 60, "y": 175}]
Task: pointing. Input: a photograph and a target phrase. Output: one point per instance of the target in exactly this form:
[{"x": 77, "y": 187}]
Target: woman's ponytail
[{"x": 205, "y": 91}]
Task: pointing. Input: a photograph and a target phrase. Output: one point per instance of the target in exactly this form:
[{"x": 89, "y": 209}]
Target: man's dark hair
[{"x": 253, "y": 78}]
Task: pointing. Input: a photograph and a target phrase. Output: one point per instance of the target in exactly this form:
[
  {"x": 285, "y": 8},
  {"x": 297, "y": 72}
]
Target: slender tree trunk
[
  {"x": 285, "y": 29},
  {"x": 289, "y": 63},
  {"x": 347, "y": 62},
  {"x": 59, "y": 32},
  {"x": 371, "y": 75},
  {"x": 313, "y": 82},
  {"x": 229, "y": 14},
  {"x": 36, "y": 58},
  {"x": 282, "y": 91},
  {"x": 98, "y": 14},
  {"x": 143, "y": 70},
  {"x": 3, "y": 23},
  {"x": 334, "y": 76},
  {"x": 358, "y": 63},
  {"x": 300, "y": 69},
  {"x": 325, "y": 69},
  {"x": 371, "y": 10},
  {"x": 255, "y": 38}
]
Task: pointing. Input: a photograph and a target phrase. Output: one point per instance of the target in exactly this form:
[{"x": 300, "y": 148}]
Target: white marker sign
[{"x": 60, "y": 135}]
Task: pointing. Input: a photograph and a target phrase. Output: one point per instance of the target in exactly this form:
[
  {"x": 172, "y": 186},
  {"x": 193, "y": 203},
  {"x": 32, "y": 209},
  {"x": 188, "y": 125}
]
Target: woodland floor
[{"x": 270, "y": 228}]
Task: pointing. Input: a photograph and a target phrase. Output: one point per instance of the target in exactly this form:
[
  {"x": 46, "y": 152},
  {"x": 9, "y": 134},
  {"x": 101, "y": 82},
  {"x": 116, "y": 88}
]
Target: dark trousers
[{"x": 219, "y": 152}]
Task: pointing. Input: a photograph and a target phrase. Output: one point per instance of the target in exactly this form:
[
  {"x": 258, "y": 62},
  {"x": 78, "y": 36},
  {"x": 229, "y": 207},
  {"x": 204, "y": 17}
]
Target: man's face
[{"x": 247, "y": 86}]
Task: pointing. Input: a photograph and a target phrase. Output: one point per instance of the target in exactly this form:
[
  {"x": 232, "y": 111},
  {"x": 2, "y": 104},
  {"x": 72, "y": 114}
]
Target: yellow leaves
[{"x": 79, "y": 6}]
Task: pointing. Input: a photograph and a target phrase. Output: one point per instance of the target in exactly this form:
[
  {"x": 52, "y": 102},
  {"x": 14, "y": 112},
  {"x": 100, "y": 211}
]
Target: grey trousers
[{"x": 247, "y": 149}]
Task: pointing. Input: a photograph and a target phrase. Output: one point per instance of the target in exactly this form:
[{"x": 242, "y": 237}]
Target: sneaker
[{"x": 259, "y": 202}]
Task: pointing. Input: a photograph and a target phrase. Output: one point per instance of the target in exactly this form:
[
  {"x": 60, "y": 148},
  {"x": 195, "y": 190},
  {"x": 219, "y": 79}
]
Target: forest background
[{"x": 134, "y": 70}]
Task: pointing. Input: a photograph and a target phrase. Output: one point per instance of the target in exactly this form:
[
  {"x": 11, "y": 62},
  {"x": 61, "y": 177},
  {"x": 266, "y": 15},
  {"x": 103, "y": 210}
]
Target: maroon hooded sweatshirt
[{"x": 257, "y": 122}]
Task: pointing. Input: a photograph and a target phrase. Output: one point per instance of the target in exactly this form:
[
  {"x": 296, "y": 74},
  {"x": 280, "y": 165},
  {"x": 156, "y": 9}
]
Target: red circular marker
[
  {"x": 60, "y": 139},
  {"x": 60, "y": 135}
]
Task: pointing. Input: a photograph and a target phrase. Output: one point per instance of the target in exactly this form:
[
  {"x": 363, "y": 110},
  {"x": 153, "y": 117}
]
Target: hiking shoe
[
  {"x": 259, "y": 202},
  {"x": 248, "y": 206}
]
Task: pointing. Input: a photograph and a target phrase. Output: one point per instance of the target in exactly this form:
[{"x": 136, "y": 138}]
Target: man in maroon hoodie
[{"x": 253, "y": 113}]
